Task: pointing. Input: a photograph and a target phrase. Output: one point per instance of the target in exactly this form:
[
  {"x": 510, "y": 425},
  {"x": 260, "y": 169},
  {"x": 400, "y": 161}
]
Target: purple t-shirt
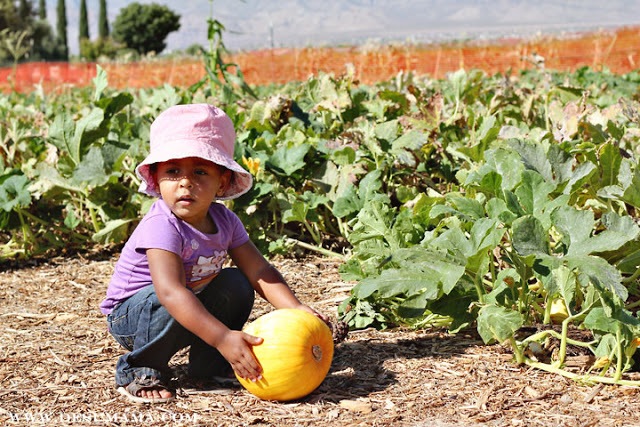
[{"x": 203, "y": 254}]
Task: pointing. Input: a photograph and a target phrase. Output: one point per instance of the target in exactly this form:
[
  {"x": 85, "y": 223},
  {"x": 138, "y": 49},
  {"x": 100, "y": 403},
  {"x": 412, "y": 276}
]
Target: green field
[{"x": 496, "y": 202}]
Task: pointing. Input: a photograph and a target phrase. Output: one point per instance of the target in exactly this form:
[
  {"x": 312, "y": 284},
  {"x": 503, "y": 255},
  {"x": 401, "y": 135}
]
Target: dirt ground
[{"x": 57, "y": 361}]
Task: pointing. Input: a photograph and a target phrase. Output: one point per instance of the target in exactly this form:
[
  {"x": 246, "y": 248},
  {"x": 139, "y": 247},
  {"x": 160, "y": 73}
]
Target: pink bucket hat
[{"x": 194, "y": 130}]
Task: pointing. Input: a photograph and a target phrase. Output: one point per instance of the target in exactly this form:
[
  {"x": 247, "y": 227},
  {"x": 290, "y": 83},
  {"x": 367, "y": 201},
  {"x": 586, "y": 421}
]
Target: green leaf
[
  {"x": 598, "y": 320},
  {"x": 470, "y": 209},
  {"x": 88, "y": 129},
  {"x": 631, "y": 193},
  {"x": 370, "y": 185},
  {"x": 491, "y": 183},
  {"x": 344, "y": 156},
  {"x": 485, "y": 234},
  {"x": 413, "y": 306},
  {"x": 580, "y": 177},
  {"x": 567, "y": 284},
  {"x": 498, "y": 323},
  {"x": 404, "y": 147},
  {"x": 577, "y": 227},
  {"x": 113, "y": 231},
  {"x": 14, "y": 193},
  {"x": 91, "y": 170},
  {"x": 387, "y": 131},
  {"x": 71, "y": 220},
  {"x": 533, "y": 192},
  {"x": 100, "y": 82},
  {"x": 420, "y": 272},
  {"x": 529, "y": 236},
  {"x": 497, "y": 209},
  {"x": 347, "y": 203},
  {"x": 601, "y": 274},
  {"x": 439, "y": 264},
  {"x": 61, "y": 134},
  {"x": 534, "y": 157},
  {"x": 562, "y": 163},
  {"x": 259, "y": 118},
  {"x": 297, "y": 212},
  {"x": 610, "y": 161},
  {"x": 113, "y": 105},
  {"x": 374, "y": 222},
  {"x": 288, "y": 160},
  {"x": 507, "y": 164}
]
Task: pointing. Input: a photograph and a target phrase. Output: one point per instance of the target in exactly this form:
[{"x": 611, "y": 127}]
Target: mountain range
[{"x": 258, "y": 24}]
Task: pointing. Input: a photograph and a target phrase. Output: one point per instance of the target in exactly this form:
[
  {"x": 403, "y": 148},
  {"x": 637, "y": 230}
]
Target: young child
[{"x": 169, "y": 289}]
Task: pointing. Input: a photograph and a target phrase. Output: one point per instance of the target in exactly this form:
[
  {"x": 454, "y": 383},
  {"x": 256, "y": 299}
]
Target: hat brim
[{"x": 239, "y": 184}]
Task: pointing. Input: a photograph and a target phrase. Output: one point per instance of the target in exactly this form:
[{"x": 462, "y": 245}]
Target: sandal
[{"x": 145, "y": 383}]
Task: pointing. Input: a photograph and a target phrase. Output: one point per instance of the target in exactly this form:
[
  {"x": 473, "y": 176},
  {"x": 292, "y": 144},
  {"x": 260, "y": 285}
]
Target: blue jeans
[{"x": 144, "y": 327}]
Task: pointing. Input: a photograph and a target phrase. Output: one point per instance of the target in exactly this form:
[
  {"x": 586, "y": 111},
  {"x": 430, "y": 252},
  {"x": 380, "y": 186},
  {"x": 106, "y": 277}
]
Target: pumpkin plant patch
[
  {"x": 472, "y": 202},
  {"x": 295, "y": 355}
]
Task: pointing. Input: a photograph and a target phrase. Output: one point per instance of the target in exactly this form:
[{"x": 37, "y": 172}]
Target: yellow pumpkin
[
  {"x": 558, "y": 311},
  {"x": 295, "y": 355}
]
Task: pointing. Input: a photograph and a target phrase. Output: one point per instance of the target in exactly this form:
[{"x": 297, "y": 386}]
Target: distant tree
[
  {"x": 42, "y": 9},
  {"x": 23, "y": 35},
  {"x": 25, "y": 10},
  {"x": 83, "y": 29},
  {"x": 103, "y": 21},
  {"x": 92, "y": 50},
  {"x": 61, "y": 28},
  {"x": 45, "y": 44},
  {"x": 145, "y": 27},
  {"x": 9, "y": 17}
]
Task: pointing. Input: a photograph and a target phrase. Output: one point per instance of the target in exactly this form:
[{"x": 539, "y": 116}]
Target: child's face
[{"x": 188, "y": 186}]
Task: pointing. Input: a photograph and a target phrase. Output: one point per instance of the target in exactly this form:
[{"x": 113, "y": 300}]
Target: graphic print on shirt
[{"x": 208, "y": 266}]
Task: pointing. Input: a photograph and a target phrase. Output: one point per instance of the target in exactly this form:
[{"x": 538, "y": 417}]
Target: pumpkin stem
[{"x": 317, "y": 352}]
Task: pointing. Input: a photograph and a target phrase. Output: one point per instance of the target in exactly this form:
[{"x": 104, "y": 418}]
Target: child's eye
[{"x": 200, "y": 172}]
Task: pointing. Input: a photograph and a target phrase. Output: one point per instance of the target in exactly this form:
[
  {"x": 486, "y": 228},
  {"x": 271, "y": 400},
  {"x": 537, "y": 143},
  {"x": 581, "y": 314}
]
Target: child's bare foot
[
  {"x": 146, "y": 390},
  {"x": 158, "y": 393}
]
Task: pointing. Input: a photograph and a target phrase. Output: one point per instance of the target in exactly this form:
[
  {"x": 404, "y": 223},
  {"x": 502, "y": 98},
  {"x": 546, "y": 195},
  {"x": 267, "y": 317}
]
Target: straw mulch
[{"x": 57, "y": 361}]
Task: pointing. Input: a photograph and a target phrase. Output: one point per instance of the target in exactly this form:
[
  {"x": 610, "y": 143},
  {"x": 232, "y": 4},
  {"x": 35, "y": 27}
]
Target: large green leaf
[
  {"x": 508, "y": 165},
  {"x": 529, "y": 236},
  {"x": 288, "y": 160},
  {"x": 598, "y": 320},
  {"x": 577, "y": 227},
  {"x": 420, "y": 271},
  {"x": 375, "y": 221},
  {"x": 61, "y": 135},
  {"x": 610, "y": 161},
  {"x": 498, "y": 323},
  {"x": 605, "y": 277},
  {"x": 91, "y": 170},
  {"x": 535, "y": 158},
  {"x": 533, "y": 192}
]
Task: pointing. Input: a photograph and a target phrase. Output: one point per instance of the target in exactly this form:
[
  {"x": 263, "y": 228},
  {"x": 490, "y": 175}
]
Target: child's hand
[
  {"x": 319, "y": 315},
  {"x": 235, "y": 346}
]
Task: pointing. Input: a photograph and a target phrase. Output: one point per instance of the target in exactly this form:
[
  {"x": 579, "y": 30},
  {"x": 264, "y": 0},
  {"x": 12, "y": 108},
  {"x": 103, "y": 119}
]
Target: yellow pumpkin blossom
[{"x": 252, "y": 165}]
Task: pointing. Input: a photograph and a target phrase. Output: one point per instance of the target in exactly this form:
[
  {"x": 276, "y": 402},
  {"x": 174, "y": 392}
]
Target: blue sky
[{"x": 256, "y": 24}]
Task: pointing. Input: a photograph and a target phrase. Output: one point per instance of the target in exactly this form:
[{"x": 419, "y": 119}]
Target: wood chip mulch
[{"x": 57, "y": 361}]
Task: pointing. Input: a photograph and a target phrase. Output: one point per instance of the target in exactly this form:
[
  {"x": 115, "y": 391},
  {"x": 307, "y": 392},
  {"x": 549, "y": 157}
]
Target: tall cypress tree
[
  {"x": 103, "y": 21},
  {"x": 83, "y": 32},
  {"x": 42, "y": 9},
  {"x": 61, "y": 28},
  {"x": 24, "y": 10}
]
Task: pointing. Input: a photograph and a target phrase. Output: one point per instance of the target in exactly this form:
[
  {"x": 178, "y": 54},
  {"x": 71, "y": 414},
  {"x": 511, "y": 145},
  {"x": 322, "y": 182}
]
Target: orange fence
[{"x": 618, "y": 51}]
